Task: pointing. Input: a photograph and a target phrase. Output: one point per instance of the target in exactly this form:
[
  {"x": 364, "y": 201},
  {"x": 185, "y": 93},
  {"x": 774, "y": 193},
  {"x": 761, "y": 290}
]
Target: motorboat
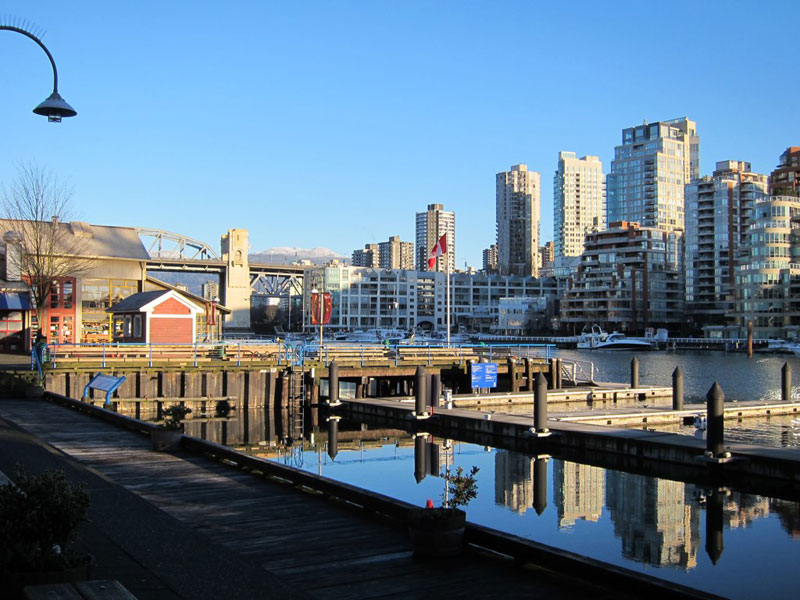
[
  {"x": 778, "y": 346},
  {"x": 597, "y": 339},
  {"x": 371, "y": 336}
]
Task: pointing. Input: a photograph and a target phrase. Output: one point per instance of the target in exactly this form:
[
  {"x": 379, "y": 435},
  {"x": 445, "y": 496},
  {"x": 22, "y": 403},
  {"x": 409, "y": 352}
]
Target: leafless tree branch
[{"x": 36, "y": 209}]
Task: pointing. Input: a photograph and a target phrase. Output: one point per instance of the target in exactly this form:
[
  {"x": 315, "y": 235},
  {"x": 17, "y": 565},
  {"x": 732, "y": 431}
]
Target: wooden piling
[
  {"x": 786, "y": 382},
  {"x": 715, "y": 421},
  {"x": 677, "y": 389}
]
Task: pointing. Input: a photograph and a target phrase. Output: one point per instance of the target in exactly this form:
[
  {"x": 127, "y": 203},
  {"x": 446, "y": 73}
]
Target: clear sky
[{"x": 332, "y": 123}]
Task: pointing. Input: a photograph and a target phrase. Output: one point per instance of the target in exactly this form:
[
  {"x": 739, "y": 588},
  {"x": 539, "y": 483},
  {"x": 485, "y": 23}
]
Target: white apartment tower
[
  {"x": 579, "y": 201},
  {"x": 518, "y": 216},
  {"x": 431, "y": 225},
  {"x": 649, "y": 172}
]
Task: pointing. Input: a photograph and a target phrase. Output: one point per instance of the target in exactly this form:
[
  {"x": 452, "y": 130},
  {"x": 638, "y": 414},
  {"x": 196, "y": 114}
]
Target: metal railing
[
  {"x": 577, "y": 372},
  {"x": 285, "y": 353}
]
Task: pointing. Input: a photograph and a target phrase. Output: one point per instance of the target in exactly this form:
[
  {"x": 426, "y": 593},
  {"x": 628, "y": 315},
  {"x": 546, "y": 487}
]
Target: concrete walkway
[{"x": 155, "y": 556}]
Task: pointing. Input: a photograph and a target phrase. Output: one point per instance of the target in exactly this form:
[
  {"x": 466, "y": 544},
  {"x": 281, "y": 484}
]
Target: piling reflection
[
  {"x": 714, "y": 536},
  {"x": 657, "y": 522},
  {"x": 333, "y": 436}
]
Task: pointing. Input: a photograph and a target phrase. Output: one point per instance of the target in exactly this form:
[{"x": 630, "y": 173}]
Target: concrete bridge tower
[{"x": 236, "y": 279}]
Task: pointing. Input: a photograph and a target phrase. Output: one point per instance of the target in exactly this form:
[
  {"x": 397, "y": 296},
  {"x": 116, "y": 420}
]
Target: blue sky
[{"x": 333, "y": 123}]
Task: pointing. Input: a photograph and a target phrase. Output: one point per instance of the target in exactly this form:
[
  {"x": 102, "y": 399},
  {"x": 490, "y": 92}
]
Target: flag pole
[{"x": 447, "y": 294}]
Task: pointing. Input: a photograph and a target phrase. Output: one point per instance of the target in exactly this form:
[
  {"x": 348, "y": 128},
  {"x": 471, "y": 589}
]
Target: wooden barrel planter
[
  {"x": 164, "y": 440},
  {"x": 437, "y": 532}
]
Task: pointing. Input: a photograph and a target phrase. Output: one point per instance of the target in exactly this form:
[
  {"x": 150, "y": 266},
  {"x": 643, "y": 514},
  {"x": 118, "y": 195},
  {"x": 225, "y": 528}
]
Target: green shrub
[{"x": 38, "y": 518}]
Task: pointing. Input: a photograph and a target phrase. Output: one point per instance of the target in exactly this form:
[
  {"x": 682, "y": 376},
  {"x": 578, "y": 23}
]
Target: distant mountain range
[{"x": 284, "y": 255}]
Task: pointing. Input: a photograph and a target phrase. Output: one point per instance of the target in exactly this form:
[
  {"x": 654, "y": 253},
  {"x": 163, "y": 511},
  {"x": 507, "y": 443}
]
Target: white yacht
[
  {"x": 371, "y": 336},
  {"x": 597, "y": 339}
]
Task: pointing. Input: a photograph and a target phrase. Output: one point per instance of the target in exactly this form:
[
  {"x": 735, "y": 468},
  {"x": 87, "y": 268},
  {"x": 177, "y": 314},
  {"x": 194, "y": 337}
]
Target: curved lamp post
[{"x": 54, "y": 107}]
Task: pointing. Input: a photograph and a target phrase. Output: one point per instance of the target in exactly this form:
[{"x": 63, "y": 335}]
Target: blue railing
[{"x": 36, "y": 362}]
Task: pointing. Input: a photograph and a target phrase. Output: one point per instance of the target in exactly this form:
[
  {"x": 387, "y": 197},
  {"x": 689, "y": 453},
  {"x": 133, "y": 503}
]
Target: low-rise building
[
  {"x": 366, "y": 298},
  {"x": 157, "y": 317}
]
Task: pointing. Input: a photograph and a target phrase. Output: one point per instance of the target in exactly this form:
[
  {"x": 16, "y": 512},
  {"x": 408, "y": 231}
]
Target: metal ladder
[{"x": 296, "y": 411}]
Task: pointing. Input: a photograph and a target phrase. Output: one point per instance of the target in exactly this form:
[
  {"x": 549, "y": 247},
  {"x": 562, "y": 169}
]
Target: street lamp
[{"x": 54, "y": 106}]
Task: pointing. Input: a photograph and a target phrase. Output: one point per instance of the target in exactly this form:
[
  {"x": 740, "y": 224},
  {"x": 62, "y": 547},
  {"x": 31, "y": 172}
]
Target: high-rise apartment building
[
  {"x": 396, "y": 254},
  {"x": 368, "y": 257},
  {"x": 547, "y": 257},
  {"x": 210, "y": 290},
  {"x": 718, "y": 213},
  {"x": 490, "y": 259},
  {"x": 629, "y": 279},
  {"x": 785, "y": 179},
  {"x": 393, "y": 254},
  {"x": 768, "y": 281},
  {"x": 518, "y": 217},
  {"x": 432, "y": 225},
  {"x": 579, "y": 201},
  {"x": 649, "y": 172}
]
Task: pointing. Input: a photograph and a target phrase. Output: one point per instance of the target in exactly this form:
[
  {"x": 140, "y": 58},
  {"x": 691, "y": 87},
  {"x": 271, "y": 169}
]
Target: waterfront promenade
[{"x": 184, "y": 526}]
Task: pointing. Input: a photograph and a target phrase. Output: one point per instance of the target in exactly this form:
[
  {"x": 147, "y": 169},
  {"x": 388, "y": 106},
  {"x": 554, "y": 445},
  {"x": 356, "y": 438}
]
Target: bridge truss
[
  {"x": 165, "y": 244},
  {"x": 271, "y": 282}
]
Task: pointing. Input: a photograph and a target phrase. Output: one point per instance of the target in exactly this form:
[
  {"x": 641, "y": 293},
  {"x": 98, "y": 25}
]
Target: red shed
[{"x": 157, "y": 317}]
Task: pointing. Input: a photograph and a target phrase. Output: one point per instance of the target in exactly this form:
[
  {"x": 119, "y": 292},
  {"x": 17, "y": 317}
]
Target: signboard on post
[{"x": 484, "y": 375}]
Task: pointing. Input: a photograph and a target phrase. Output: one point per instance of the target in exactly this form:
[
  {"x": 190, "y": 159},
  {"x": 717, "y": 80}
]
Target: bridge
[{"x": 238, "y": 278}]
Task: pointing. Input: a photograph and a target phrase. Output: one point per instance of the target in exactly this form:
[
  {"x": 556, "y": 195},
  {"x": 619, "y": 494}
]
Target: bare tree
[{"x": 41, "y": 245}]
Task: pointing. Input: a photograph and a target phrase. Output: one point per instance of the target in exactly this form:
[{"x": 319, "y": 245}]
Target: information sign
[{"x": 484, "y": 375}]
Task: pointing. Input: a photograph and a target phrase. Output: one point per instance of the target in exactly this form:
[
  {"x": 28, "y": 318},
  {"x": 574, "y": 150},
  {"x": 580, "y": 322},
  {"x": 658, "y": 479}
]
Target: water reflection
[
  {"x": 654, "y": 519},
  {"x": 628, "y": 519}
]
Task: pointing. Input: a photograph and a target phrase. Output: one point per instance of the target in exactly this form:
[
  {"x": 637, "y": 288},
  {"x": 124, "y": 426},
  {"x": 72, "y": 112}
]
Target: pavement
[
  {"x": 155, "y": 556},
  {"x": 14, "y": 362}
]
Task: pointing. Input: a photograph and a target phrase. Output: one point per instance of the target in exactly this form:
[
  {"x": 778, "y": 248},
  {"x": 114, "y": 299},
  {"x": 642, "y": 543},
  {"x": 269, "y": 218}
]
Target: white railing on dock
[{"x": 577, "y": 371}]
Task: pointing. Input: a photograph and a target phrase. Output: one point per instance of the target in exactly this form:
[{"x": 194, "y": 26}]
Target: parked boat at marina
[{"x": 597, "y": 339}]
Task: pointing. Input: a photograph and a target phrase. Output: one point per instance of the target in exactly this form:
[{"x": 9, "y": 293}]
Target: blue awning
[{"x": 14, "y": 301}]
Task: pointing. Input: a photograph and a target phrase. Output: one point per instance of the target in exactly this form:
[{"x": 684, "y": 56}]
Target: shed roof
[
  {"x": 199, "y": 299},
  {"x": 135, "y": 302}
]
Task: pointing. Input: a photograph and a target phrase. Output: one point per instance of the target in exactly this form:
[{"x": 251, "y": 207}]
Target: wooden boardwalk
[{"x": 326, "y": 549}]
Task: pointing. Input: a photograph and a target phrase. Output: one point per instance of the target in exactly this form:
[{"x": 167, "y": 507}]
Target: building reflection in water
[
  {"x": 658, "y": 521},
  {"x": 654, "y": 519},
  {"x": 579, "y": 492}
]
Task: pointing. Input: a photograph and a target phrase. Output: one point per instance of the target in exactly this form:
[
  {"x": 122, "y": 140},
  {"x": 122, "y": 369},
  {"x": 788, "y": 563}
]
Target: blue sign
[{"x": 484, "y": 375}]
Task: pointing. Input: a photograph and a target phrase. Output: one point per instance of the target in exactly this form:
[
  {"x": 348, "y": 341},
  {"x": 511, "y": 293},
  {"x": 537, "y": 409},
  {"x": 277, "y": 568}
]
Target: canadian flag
[{"x": 439, "y": 249}]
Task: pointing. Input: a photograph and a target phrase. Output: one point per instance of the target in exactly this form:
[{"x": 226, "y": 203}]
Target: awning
[{"x": 14, "y": 301}]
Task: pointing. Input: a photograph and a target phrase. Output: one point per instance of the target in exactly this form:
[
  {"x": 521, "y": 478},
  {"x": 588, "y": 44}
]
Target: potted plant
[
  {"x": 167, "y": 436},
  {"x": 38, "y": 518},
  {"x": 439, "y": 532}
]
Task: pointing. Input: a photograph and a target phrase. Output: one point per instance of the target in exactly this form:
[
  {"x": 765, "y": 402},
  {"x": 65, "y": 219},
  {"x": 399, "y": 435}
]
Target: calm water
[
  {"x": 741, "y": 378},
  {"x": 654, "y": 526},
  {"x": 722, "y": 541}
]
